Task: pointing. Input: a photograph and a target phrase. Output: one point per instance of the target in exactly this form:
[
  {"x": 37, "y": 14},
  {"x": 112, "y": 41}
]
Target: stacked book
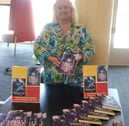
[
  {"x": 21, "y": 118},
  {"x": 92, "y": 111}
]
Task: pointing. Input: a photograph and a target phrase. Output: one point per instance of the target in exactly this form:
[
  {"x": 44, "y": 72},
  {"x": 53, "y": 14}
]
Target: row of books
[
  {"x": 22, "y": 118},
  {"x": 91, "y": 111}
]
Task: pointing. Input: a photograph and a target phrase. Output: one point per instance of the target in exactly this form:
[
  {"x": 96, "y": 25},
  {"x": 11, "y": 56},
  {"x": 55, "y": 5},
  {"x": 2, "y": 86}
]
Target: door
[{"x": 119, "y": 47}]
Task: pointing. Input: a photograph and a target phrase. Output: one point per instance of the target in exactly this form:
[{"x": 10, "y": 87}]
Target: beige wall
[
  {"x": 96, "y": 16},
  {"x": 4, "y": 1}
]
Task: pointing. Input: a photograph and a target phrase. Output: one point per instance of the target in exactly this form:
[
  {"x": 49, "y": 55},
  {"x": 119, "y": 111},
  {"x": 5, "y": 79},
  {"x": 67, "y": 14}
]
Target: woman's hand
[
  {"x": 79, "y": 57},
  {"x": 54, "y": 60}
]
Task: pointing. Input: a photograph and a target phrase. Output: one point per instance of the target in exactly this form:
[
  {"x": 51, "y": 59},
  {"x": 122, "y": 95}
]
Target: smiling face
[{"x": 63, "y": 10}]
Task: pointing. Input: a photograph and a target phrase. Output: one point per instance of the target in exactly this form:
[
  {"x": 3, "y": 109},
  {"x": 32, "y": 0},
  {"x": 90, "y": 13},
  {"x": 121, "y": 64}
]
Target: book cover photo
[
  {"x": 68, "y": 63},
  {"x": 90, "y": 84},
  {"x": 18, "y": 88},
  {"x": 33, "y": 76},
  {"x": 101, "y": 73},
  {"x": 109, "y": 102}
]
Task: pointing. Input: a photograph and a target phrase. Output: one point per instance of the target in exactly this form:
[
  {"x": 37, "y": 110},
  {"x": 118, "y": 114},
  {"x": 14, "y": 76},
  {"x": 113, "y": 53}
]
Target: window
[
  {"x": 4, "y": 18},
  {"x": 121, "y": 38}
]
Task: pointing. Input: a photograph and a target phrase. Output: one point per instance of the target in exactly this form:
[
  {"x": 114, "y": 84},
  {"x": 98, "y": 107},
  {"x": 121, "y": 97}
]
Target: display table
[{"x": 54, "y": 98}]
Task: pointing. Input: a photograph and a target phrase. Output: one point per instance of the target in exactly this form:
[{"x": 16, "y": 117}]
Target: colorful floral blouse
[{"x": 52, "y": 42}]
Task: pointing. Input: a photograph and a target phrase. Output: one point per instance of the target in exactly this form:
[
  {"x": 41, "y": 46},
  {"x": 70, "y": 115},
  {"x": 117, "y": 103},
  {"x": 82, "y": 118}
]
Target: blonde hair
[{"x": 73, "y": 16}]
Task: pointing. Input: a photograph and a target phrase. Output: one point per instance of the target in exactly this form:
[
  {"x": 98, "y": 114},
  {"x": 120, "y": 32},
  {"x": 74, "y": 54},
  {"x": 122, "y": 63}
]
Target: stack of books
[
  {"x": 22, "y": 118},
  {"x": 92, "y": 111}
]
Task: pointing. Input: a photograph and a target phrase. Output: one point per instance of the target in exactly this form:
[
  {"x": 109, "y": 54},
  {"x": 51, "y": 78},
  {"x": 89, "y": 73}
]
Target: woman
[{"x": 63, "y": 35}]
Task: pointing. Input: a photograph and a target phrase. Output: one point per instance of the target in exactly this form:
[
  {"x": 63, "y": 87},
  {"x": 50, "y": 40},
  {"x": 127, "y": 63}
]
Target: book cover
[
  {"x": 22, "y": 118},
  {"x": 117, "y": 123},
  {"x": 94, "y": 104},
  {"x": 58, "y": 120},
  {"x": 71, "y": 118},
  {"x": 109, "y": 103},
  {"x": 12, "y": 114},
  {"x": 25, "y": 118},
  {"x": 2, "y": 118},
  {"x": 38, "y": 119},
  {"x": 85, "y": 117},
  {"x": 87, "y": 110},
  {"x": 43, "y": 119},
  {"x": 18, "y": 118},
  {"x": 90, "y": 107},
  {"x": 95, "y": 80},
  {"x": 25, "y": 81},
  {"x": 12, "y": 118},
  {"x": 68, "y": 63},
  {"x": 33, "y": 78},
  {"x": 18, "y": 87}
]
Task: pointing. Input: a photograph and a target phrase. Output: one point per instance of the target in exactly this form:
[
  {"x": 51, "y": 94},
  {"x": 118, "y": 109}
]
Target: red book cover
[{"x": 25, "y": 84}]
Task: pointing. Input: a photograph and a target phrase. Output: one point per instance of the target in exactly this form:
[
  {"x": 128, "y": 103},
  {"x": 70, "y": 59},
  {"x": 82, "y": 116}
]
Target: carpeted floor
[{"x": 118, "y": 77}]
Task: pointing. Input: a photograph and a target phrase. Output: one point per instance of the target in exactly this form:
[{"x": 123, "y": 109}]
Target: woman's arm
[
  {"x": 40, "y": 49},
  {"x": 86, "y": 45}
]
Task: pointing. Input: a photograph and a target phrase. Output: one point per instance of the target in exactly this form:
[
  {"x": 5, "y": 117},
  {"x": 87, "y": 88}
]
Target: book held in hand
[{"x": 68, "y": 63}]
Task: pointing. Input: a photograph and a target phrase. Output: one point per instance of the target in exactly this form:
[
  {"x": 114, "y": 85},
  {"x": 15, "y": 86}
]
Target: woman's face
[
  {"x": 102, "y": 76},
  {"x": 63, "y": 10}
]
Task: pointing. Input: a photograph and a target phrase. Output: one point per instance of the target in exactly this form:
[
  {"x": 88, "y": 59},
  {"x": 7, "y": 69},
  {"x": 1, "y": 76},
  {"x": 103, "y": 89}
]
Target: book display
[
  {"x": 22, "y": 118},
  {"x": 63, "y": 109},
  {"x": 85, "y": 114},
  {"x": 69, "y": 107},
  {"x": 25, "y": 84},
  {"x": 95, "y": 80}
]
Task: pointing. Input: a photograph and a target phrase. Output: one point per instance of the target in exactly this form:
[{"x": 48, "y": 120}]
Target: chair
[{"x": 9, "y": 37}]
